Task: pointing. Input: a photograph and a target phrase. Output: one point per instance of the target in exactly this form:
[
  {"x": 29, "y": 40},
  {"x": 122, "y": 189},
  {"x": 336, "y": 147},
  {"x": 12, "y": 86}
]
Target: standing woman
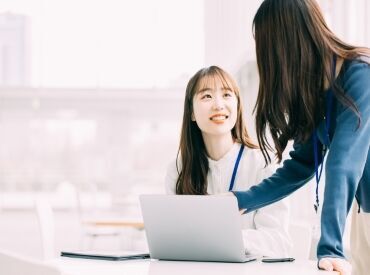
[{"x": 314, "y": 89}]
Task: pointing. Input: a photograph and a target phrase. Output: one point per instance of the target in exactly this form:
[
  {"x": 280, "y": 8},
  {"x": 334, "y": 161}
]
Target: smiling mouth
[{"x": 217, "y": 118}]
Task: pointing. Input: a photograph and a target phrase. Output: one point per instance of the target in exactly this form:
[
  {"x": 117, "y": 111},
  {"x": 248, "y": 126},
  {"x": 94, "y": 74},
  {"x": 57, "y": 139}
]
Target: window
[{"x": 103, "y": 43}]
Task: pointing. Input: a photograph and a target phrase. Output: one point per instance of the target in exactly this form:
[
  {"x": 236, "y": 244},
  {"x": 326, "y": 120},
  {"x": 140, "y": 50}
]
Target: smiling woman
[
  {"x": 216, "y": 155},
  {"x": 211, "y": 92}
]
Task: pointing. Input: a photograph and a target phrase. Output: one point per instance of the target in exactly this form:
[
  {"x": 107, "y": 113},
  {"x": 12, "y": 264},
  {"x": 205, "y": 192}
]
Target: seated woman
[{"x": 216, "y": 155}]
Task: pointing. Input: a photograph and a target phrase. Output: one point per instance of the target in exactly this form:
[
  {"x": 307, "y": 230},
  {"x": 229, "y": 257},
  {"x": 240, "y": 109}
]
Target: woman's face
[{"x": 215, "y": 106}]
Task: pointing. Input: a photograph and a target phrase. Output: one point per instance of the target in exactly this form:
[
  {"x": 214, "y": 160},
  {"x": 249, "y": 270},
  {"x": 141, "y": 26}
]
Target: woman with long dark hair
[
  {"x": 216, "y": 155},
  {"x": 314, "y": 89}
]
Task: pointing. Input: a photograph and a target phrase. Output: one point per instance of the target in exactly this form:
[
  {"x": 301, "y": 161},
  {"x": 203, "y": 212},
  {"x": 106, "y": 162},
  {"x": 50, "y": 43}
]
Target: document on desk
[{"x": 104, "y": 255}]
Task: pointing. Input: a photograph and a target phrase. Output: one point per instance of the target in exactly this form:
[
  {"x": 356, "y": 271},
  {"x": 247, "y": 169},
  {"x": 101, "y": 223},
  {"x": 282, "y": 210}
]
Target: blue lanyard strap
[
  {"x": 236, "y": 167},
  {"x": 329, "y": 104},
  {"x": 317, "y": 173}
]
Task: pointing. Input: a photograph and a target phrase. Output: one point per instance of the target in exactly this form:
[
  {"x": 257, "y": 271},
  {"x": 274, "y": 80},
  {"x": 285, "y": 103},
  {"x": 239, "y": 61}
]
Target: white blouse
[{"x": 265, "y": 231}]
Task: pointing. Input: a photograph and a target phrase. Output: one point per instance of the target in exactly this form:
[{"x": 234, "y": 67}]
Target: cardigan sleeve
[{"x": 294, "y": 173}]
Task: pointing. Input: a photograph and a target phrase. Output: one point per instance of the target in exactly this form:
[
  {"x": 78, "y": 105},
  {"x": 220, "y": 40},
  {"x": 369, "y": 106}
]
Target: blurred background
[{"x": 91, "y": 95}]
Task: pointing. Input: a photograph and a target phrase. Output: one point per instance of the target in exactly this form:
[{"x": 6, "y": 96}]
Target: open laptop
[{"x": 193, "y": 228}]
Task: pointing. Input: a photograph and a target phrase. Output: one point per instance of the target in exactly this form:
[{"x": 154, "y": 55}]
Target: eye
[
  {"x": 228, "y": 94},
  {"x": 206, "y": 96}
]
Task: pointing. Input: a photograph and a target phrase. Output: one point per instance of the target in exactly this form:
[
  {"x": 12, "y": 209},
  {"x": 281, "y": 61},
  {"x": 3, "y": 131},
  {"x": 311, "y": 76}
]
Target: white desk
[{"x": 70, "y": 266}]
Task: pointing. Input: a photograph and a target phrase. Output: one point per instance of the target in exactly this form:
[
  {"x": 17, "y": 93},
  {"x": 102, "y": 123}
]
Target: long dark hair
[
  {"x": 295, "y": 49},
  {"x": 192, "y": 178}
]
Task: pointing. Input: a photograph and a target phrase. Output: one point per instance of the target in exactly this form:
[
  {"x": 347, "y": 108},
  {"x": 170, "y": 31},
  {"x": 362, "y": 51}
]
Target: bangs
[{"x": 211, "y": 78}]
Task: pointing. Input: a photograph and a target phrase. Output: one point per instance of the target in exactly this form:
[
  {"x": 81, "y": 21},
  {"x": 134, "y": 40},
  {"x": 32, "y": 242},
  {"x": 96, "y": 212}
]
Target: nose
[{"x": 218, "y": 103}]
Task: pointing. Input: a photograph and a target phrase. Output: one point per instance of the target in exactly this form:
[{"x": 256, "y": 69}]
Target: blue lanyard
[
  {"x": 329, "y": 104},
  {"x": 236, "y": 167}
]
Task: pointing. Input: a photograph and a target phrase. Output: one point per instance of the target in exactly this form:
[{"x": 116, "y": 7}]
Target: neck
[{"x": 218, "y": 146}]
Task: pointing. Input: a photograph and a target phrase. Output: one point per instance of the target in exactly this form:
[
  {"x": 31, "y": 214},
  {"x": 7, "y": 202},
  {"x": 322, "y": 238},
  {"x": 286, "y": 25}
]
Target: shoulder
[
  {"x": 355, "y": 81},
  {"x": 255, "y": 160},
  {"x": 255, "y": 156},
  {"x": 172, "y": 165},
  {"x": 174, "y": 168},
  {"x": 355, "y": 76},
  {"x": 172, "y": 175}
]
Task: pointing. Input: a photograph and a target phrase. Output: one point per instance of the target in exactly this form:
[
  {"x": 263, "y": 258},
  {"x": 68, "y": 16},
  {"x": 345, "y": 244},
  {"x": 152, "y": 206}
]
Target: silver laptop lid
[{"x": 196, "y": 228}]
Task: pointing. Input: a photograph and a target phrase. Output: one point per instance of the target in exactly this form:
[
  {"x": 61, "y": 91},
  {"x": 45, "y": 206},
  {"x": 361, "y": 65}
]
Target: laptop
[{"x": 193, "y": 228}]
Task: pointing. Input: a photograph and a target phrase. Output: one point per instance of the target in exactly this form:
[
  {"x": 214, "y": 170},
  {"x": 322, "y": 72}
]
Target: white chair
[
  {"x": 45, "y": 217},
  {"x": 11, "y": 264},
  {"x": 301, "y": 235},
  {"x": 91, "y": 233}
]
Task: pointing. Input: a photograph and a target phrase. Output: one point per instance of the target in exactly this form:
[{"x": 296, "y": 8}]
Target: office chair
[
  {"x": 91, "y": 233},
  {"x": 45, "y": 217}
]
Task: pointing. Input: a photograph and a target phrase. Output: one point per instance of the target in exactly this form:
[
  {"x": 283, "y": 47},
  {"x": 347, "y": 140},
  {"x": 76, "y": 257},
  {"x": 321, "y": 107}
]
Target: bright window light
[{"x": 110, "y": 43}]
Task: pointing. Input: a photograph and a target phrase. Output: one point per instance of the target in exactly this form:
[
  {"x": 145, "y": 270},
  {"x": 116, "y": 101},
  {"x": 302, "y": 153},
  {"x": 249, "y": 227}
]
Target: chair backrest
[
  {"x": 11, "y": 264},
  {"x": 45, "y": 217}
]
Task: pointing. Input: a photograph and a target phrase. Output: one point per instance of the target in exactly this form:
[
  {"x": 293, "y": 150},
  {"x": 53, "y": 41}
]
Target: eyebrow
[{"x": 225, "y": 88}]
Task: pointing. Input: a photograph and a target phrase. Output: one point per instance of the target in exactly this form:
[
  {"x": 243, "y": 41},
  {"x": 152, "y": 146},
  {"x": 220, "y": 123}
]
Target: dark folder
[{"x": 105, "y": 256}]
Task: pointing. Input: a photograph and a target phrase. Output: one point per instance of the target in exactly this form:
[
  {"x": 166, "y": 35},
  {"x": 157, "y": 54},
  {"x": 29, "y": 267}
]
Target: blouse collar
[{"x": 228, "y": 157}]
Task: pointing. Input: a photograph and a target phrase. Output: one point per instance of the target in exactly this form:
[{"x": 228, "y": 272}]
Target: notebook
[{"x": 110, "y": 256}]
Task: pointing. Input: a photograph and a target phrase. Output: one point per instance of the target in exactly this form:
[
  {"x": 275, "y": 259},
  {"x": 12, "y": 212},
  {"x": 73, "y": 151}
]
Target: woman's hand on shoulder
[{"x": 336, "y": 264}]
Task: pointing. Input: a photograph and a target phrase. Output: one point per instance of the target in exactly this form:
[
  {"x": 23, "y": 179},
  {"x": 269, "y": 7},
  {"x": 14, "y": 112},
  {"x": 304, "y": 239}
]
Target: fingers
[
  {"x": 342, "y": 266},
  {"x": 336, "y": 264},
  {"x": 326, "y": 264}
]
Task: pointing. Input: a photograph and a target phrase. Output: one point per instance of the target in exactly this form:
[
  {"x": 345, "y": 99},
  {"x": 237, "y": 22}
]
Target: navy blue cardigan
[{"x": 347, "y": 169}]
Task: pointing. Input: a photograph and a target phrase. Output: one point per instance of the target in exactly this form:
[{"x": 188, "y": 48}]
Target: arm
[
  {"x": 270, "y": 236},
  {"x": 295, "y": 172},
  {"x": 346, "y": 161}
]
